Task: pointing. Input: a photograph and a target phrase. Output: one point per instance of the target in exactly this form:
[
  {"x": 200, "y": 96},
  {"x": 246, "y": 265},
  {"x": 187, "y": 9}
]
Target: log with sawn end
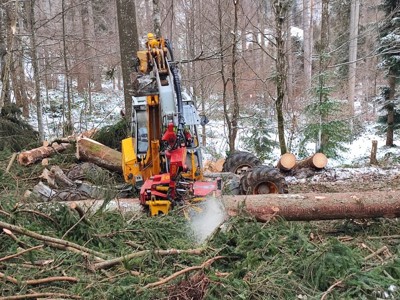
[
  {"x": 313, "y": 206},
  {"x": 291, "y": 207}
]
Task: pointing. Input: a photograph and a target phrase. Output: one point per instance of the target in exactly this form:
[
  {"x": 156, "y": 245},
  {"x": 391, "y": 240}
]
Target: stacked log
[
  {"x": 286, "y": 162},
  {"x": 316, "y": 161}
]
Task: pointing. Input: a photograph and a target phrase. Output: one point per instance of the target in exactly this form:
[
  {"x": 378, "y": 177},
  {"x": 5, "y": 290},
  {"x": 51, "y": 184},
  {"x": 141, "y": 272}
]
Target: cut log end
[
  {"x": 319, "y": 160},
  {"x": 287, "y": 162}
]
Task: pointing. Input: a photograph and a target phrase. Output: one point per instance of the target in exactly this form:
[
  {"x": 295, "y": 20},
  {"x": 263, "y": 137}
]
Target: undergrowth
[{"x": 277, "y": 260}]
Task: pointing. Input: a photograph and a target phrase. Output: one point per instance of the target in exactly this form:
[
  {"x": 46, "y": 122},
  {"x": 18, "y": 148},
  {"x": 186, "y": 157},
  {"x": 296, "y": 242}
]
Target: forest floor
[{"x": 109, "y": 255}]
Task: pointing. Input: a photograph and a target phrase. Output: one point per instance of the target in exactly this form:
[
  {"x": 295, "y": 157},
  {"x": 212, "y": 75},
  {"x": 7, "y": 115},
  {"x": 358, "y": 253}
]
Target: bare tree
[
  {"x": 281, "y": 9},
  {"x": 308, "y": 43},
  {"x": 354, "y": 17},
  {"x": 39, "y": 106}
]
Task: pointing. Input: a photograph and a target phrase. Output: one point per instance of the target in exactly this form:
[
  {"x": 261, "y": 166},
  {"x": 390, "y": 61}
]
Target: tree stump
[{"x": 374, "y": 149}]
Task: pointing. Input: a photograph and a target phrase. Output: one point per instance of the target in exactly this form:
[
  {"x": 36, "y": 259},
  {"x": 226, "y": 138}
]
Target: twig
[
  {"x": 40, "y": 295},
  {"x": 20, "y": 253},
  {"x": 377, "y": 252},
  {"x": 36, "y": 213},
  {"x": 80, "y": 211},
  {"x": 118, "y": 260},
  {"x": 37, "y": 236},
  {"x": 396, "y": 236},
  {"x": 66, "y": 248},
  {"x": 17, "y": 240},
  {"x": 82, "y": 215},
  {"x": 38, "y": 281},
  {"x": 13, "y": 157},
  {"x": 206, "y": 264},
  {"x": 5, "y": 213},
  {"x": 330, "y": 289}
]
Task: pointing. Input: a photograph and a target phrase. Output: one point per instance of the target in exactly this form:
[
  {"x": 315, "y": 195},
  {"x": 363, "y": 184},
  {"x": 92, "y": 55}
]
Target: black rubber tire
[
  {"x": 263, "y": 180},
  {"x": 240, "y": 162}
]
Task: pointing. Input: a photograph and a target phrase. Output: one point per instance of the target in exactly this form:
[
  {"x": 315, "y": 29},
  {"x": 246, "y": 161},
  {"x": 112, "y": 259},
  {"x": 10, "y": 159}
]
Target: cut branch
[
  {"x": 183, "y": 271},
  {"x": 118, "y": 260},
  {"x": 37, "y": 236},
  {"x": 40, "y": 295},
  {"x": 20, "y": 253}
]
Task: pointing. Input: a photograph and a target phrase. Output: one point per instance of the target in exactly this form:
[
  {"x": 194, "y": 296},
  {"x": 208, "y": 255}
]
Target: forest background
[{"x": 283, "y": 73}]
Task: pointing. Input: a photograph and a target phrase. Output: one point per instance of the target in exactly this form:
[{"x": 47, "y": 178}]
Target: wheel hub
[{"x": 266, "y": 187}]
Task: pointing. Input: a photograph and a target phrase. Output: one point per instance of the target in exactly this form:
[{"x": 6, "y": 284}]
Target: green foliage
[
  {"x": 112, "y": 135},
  {"x": 336, "y": 131},
  {"x": 259, "y": 141},
  {"x": 16, "y": 134}
]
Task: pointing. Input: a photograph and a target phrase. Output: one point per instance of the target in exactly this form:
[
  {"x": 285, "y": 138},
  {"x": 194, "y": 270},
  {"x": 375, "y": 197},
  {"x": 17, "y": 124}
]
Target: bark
[
  {"x": 286, "y": 162},
  {"x": 67, "y": 129},
  {"x": 295, "y": 207},
  {"x": 374, "y": 149},
  {"x": 316, "y": 161},
  {"x": 236, "y": 108},
  {"x": 157, "y": 18},
  {"x": 308, "y": 42},
  {"x": 354, "y": 17},
  {"x": 306, "y": 207},
  {"x": 390, "y": 108},
  {"x": 31, "y": 156},
  {"x": 99, "y": 154},
  {"x": 129, "y": 45},
  {"x": 280, "y": 14},
  {"x": 35, "y": 67}
]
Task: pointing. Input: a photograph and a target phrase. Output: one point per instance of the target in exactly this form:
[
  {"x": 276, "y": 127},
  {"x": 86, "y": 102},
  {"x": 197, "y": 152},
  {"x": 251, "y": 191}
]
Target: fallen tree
[
  {"x": 292, "y": 207},
  {"x": 91, "y": 151},
  {"x": 29, "y": 157},
  {"x": 305, "y": 207}
]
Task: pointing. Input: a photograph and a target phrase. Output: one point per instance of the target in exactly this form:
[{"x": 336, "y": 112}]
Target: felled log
[
  {"x": 286, "y": 162},
  {"x": 295, "y": 207},
  {"x": 306, "y": 207},
  {"x": 91, "y": 151},
  {"x": 316, "y": 161},
  {"x": 31, "y": 156}
]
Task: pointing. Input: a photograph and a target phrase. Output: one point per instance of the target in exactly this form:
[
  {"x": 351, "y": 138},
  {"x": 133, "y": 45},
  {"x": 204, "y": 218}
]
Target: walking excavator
[{"x": 163, "y": 158}]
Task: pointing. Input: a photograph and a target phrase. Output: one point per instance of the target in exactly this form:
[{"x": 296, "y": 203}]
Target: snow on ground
[{"x": 106, "y": 107}]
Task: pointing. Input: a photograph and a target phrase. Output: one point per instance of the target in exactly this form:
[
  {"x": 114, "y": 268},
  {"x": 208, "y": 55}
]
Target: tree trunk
[
  {"x": 354, "y": 17},
  {"x": 157, "y": 18},
  {"x": 280, "y": 11},
  {"x": 99, "y": 154},
  {"x": 306, "y": 207},
  {"x": 374, "y": 149},
  {"x": 35, "y": 67},
  {"x": 390, "y": 108},
  {"x": 67, "y": 128},
  {"x": 236, "y": 108},
  {"x": 129, "y": 45},
  {"x": 308, "y": 42}
]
